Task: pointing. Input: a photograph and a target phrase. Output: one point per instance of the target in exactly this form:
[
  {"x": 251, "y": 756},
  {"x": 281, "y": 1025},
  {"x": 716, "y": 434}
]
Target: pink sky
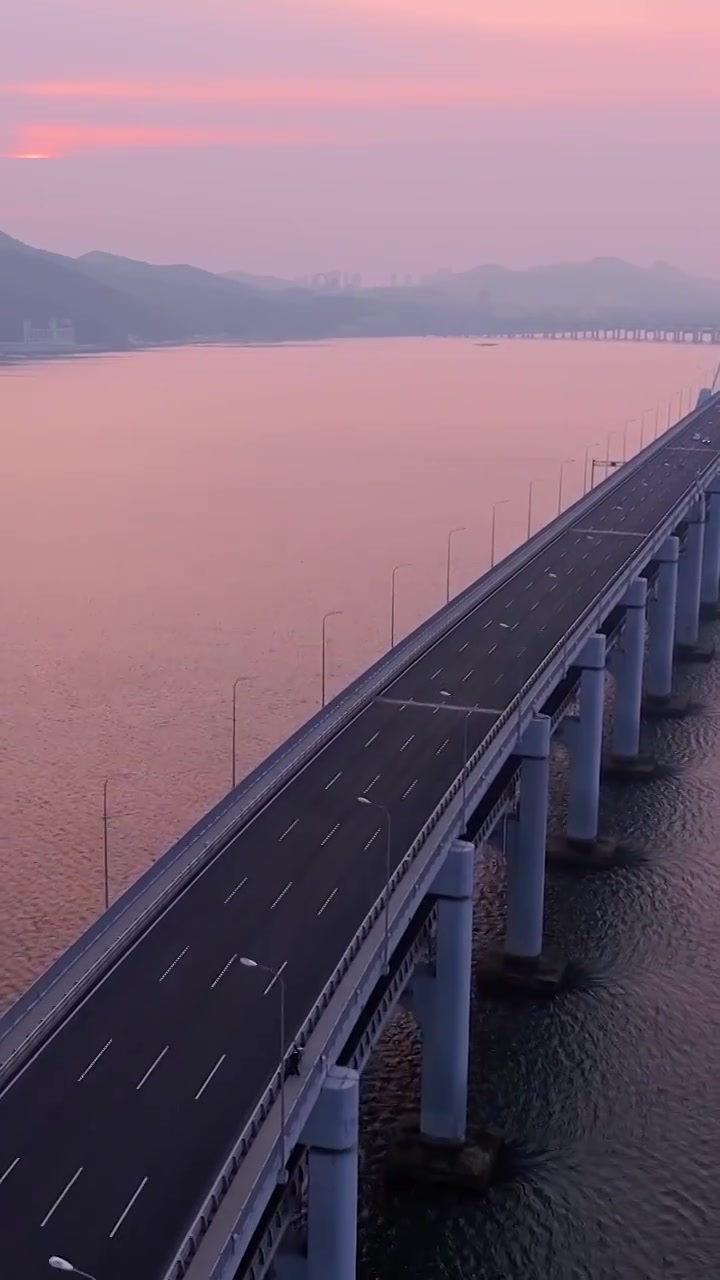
[{"x": 367, "y": 135}]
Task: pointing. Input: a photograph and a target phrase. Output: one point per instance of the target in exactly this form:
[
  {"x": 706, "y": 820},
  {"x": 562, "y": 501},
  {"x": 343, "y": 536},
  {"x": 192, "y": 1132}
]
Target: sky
[{"x": 371, "y": 136}]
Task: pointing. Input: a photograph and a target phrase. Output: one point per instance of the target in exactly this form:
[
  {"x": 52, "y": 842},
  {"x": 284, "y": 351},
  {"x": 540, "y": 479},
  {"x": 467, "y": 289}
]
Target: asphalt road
[{"x": 111, "y": 1133}]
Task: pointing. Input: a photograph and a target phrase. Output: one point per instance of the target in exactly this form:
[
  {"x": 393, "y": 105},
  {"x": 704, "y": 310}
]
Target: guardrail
[
  {"x": 510, "y": 726},
  {"x": 74, "y": 974}
]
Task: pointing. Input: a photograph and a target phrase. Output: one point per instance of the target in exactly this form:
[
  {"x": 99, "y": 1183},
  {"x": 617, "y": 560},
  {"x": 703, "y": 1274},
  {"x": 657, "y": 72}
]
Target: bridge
[{"x": 184, "y": 1080}]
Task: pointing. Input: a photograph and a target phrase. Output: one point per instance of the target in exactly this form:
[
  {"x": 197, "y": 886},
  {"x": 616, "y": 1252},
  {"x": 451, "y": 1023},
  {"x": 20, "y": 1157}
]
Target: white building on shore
[{"x": 59, "y": 333}]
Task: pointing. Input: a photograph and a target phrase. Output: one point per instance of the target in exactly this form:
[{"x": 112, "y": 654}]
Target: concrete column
[
  {"x": 710, "y": 587},
  {"x": 626, "y": 664},
  {"x": 442, "y": 1002},
  {"x": 661, "y": 622},
  {"x": 526, "y": 851},
  {"x": 332, "y": 1135},
  {"x": 687, "y": 618},
  {"x": 584, "y": 739}
]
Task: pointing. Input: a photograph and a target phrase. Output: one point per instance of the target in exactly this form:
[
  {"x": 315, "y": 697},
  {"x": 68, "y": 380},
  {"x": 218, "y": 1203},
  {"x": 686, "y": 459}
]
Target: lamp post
[
  {"x": 239, "y": 680},
  {"x": 332, "y": 613},
  {"x": 500, "y": 502},
  {"x": 277, "y": 976},
  {"x": 373, "y": 804},
  {"x": 445, "y": 694},
  {"x": 565, "y": 463},
  {"x": 397, "y": 567},
  {"x": 593, "y": 445},
  {"x": 459, "y": 529},
  {"x": 62, "y": 1264},
  {"x": 105, "y": 843},
  {"x": 625, "y": 434},
  {"x": 533, "y": 482}
]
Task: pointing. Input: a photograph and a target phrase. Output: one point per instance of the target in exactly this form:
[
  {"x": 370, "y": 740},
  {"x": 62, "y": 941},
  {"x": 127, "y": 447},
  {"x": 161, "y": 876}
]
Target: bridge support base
[
  {"x": 465, "y": 1166},
  {"x": 632, "y": 769},
  {"x": 702, "y": 651},
  {"x": 523, "y": 966},
  {"x": 670, "y": 707},
  {"x": 595, "y": 855}
]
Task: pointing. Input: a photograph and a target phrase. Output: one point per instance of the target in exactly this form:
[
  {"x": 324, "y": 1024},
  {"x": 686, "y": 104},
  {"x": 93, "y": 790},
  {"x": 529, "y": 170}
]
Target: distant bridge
[
  {"x": 707, "y": 335},
  {"x": 148, "y": 1127}
]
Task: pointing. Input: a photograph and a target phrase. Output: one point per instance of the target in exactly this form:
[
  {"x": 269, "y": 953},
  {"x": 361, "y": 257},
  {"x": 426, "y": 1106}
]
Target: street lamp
[
  {"x": 277, "y": 976},
  {"x": 373, "y": 804},
  {"x": 61, "y": 1264},
  {"x": 332, "y": 613},
  {"x": 404, "y": 565},
  {"x": 595, "y": 444},
  {"x": 565, "y": 463},
  {"x": 625, "y": 432},
  {"x": 533, "y": 482},
  {"x": 239, "y": 680},
  {"x": 500, "y": 502},
  {"x": 444, "y": 694},
  {"x": 105, "y": 846},
  {"x": 460, "y": 529}
]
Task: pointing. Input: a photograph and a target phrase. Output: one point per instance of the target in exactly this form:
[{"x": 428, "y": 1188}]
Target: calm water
[{"x": 172, "y": 521}]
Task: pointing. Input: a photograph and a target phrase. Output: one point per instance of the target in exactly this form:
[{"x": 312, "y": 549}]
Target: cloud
[{"x": 49, "y": 140}]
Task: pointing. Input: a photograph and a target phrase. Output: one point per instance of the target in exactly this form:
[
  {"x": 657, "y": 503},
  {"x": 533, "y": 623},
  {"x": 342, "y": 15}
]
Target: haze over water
[{"x": 175, "y": 520}]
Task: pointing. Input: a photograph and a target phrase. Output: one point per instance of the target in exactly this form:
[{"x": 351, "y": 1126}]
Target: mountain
[{"x": 115, "y": 301}]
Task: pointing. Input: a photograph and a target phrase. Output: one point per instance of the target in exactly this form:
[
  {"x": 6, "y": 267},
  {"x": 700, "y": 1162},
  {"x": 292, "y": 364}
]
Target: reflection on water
[{"x": 175, "y": 520}]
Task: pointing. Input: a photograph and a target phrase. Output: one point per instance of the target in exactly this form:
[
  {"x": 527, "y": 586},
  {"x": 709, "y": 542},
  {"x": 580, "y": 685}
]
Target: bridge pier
[
  {"x": 582, "y": 735},
  {"x": 687, "y": 618},
  {"x": 523, "y": 965},
  {"x": 626, "y": 665},
  {"x": 662, "y": 607},
  {"x": 710, "y": 587},
  {"x": 329, "y": 1251},
  {"x": 436, "y": 1146}
]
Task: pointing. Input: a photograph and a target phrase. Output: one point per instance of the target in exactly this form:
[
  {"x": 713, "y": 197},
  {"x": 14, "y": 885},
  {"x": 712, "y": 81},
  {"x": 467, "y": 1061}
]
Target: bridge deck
[{"x": 109, "y": 1134}]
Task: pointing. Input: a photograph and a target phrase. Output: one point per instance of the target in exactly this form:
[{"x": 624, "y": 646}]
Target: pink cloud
[{"x": 46, "y": 140}]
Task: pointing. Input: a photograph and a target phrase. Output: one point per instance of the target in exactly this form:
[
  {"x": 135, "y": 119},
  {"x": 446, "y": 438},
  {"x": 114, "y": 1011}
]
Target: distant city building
[{"x": 58, "y": 333}]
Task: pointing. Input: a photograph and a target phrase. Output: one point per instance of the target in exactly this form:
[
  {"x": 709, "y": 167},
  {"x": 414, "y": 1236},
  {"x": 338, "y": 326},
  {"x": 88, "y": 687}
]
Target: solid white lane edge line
[
  {"x": 97, "y": 1058},
  {"x": 327, "y": 902},
  {"x": 206, "y": 1082},
  {"x": 150, "y": 1070},
  {"x": 332, "y": 780},
  {"x": 329, "y": 834},
  {"x": 9, "y": 1169},
  {"x": 61, "y": 1197},
  {"x": 281, "y": 895},
  {"x": 223, "y": 971},
  {"x": 235, "y": 890},
  {"x": 288, "y": 830},
  {"x": 175, "y": 961},
  {"x": 275, "y": 977},
  {"x": 127, "y": 1208}
]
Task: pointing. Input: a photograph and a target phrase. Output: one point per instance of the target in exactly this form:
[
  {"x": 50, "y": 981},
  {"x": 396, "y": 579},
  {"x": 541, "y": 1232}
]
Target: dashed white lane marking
[
  {"x": 508, "y": 605},
  {"x": 281, "y": 895},
  {"x": 497, "y": 681},
  {"x": 373, "y": 837},
  {"x": 327, "y": 902},
  {"x": 492, "y": 650},
  {"x": 206, "y": 1082},
  {"x": 150, "y": 1070},
  {"x": 223, "y": 971},
  {"x": 437, "y": 673},
  {"x": 127, "y": 1208},
  {"x": 288, "y": 830},
  {"x": 332, "y": 780},
  {"x": 61, "y": 1197},
  {"x": 275, "y": 977},
  {"x": 467, "y": 677},
  {"x": 371, "y": 784},
  {"x": 407, "y": 793},
  {"x": 9, "y": 1170},
  {"x": 534, "y": 607},
  {"x": 464, "y": 646},
  {"x": 175, "y": 961},
  {"x": 237, "y": 889},
  {"x": 407, "y": 742},
  {"x": 487, "y": 624},
  {"x": 97, "y": 1058},
  {"x": 330, "y": 834},
  {"x": 442, "y": 746},
  {"x": 371, "y": 740}
]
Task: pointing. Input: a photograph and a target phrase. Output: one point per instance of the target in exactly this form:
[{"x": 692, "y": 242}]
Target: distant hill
[{"x": 115, "y": 301}]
